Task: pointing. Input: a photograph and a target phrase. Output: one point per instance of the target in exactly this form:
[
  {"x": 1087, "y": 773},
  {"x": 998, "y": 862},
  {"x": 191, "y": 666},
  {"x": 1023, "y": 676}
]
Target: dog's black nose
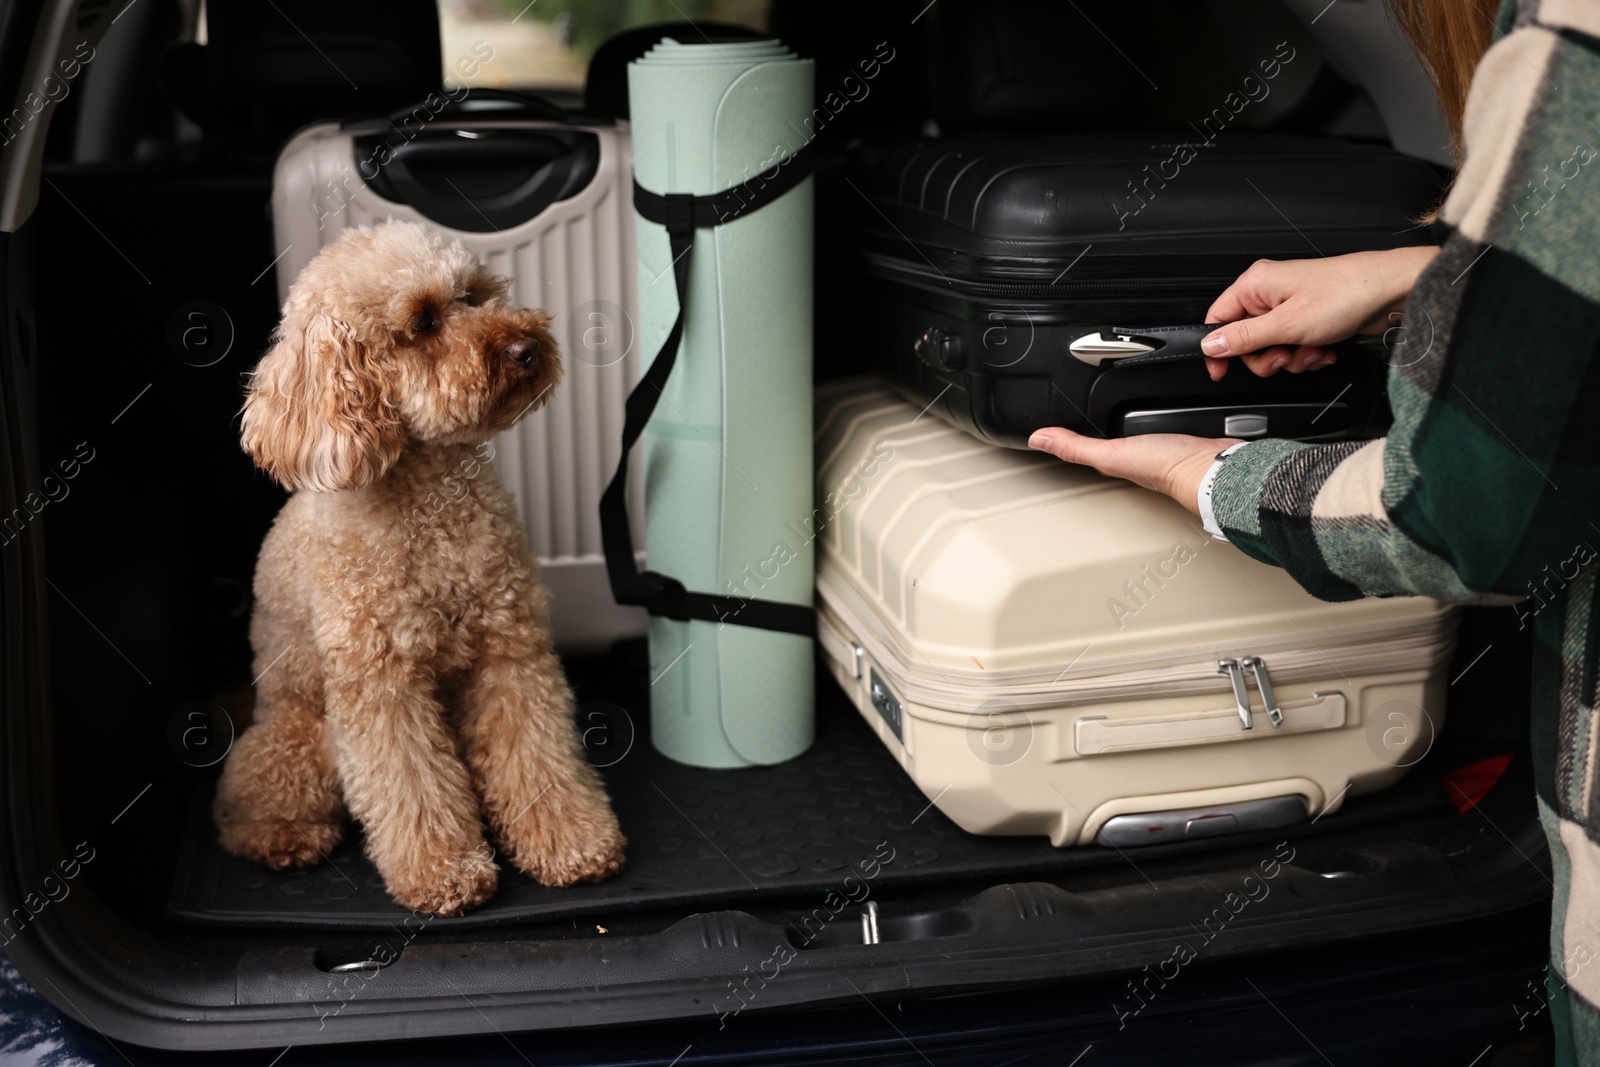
[{"x": 524, "y": 350}]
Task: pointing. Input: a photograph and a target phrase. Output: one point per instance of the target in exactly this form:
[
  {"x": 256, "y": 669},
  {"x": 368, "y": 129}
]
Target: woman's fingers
[
  {"x": 1276, "y": 327},
  {"x": 1297, "y": 362},
  {"x": 1076, "y": 448},
  {"x": 1168, "y": 463},
  {"x": 1294, "y": 359},
  {"x": 1258, "y": 290},
  {"x": 1266, "y": 364},
  {"x": 1228, "y": 306},
  {"x": 1297, "y": 303},
  {"x": 1309, "y": 357},
  {"x": 1129, "y": 458},
  {"x": 1283, "y": 315}
]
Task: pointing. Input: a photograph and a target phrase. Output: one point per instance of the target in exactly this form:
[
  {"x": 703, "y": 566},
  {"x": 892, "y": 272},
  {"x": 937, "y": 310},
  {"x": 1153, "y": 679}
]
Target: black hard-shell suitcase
[{"x": 1016, "y": 282}]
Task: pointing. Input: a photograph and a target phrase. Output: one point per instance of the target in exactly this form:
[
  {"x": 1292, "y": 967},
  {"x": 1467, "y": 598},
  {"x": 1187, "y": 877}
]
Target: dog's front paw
[
  {"x": 280, "y": 843},
  {"x": 591, "y": 859},
  {"x": 449, "y": 887},
  {"x": 567, "y": 838}
]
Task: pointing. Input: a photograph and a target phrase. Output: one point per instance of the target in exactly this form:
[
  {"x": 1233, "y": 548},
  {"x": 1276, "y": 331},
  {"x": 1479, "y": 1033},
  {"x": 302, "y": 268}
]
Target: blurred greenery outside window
[{"x": 546, "y": 44}]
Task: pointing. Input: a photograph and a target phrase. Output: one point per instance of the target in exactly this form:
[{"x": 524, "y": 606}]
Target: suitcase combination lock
[
  {"x": 1234, "y": 669},
  {"x": 888, "y": 705},
  {"x": 939, "y": 349}
]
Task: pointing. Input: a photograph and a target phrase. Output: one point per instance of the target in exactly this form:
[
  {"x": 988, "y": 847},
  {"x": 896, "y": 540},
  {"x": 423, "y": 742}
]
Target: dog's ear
[{"x": 318, "y": 413}]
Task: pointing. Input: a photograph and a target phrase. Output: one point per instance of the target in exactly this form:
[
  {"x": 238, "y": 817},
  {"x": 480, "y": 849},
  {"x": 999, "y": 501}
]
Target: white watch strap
[{"x": 1208, "y": 514}]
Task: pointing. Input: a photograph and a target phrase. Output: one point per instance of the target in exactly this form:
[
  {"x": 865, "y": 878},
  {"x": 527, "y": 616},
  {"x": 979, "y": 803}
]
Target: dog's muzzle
[{"x": 524, "y": 351}]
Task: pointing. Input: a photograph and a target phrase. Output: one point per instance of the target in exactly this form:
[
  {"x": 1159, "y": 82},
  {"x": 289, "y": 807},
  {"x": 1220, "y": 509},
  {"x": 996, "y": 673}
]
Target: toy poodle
[{"x": 405, "y": 666}]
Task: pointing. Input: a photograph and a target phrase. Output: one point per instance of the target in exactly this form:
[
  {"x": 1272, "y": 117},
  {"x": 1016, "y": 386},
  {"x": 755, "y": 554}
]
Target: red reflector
[{"x": 1467, "y": 786}]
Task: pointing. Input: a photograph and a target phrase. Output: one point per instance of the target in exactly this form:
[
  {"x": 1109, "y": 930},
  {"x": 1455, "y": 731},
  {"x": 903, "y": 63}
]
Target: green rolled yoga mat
[{"x": 728, "y": 470}]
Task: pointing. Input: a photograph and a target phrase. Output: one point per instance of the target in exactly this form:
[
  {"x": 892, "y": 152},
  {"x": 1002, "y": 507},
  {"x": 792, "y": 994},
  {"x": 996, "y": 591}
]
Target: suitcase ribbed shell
[{"x": 994, "y": 594}]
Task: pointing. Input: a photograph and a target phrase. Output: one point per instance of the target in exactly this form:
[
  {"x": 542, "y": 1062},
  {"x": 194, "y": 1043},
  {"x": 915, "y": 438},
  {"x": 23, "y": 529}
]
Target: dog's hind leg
[
  {"x": 546, "y": 805},
  {"x": 278, "y": 800}
]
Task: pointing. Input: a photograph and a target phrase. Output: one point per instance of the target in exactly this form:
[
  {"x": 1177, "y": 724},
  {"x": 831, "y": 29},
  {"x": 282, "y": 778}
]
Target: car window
[{"x": 546, "y": 44}]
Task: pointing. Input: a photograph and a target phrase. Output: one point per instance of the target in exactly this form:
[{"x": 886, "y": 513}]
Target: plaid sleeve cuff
[{"x": 1237, "y": 491}]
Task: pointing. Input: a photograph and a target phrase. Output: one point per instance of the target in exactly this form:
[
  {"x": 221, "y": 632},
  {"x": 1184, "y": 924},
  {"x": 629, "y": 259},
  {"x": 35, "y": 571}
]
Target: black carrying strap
[{"x": 682, "y": 214}]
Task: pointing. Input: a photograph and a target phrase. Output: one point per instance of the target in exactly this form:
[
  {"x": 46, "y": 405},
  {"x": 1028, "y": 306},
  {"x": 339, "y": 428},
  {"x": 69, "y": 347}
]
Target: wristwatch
[{"x": 1208, "y": 515}]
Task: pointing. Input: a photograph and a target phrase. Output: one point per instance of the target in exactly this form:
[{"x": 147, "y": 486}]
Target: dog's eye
[
  {"x": 424, "y": 321},
  {"x": 472, "y": 299}
]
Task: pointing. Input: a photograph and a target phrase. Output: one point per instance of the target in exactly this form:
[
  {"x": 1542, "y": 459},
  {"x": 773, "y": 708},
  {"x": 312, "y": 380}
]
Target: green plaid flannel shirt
[{"x": 1487, "y": 488}]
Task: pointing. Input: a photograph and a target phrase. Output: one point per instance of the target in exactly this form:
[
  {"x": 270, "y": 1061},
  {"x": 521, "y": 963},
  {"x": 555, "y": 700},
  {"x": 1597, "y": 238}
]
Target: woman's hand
[
  {"x": 1170, "y": 463},
  {"x": 1283, "y": 314}
]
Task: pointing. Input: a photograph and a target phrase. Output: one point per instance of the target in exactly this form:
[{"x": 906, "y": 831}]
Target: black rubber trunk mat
[{"x": 704, "y": 840}]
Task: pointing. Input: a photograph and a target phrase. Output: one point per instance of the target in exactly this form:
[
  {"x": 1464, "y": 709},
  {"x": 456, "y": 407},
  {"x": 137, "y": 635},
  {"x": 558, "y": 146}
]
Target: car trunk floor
[{"x": 707, "y": 839}]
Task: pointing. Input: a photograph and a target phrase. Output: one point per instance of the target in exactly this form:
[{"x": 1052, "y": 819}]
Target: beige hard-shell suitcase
[
  {"x": 1048, "y": 651},
  {"x": 572, "y": 256}
]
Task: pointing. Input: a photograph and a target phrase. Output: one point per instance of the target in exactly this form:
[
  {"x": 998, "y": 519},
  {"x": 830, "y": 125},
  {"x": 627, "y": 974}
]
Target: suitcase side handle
[
  {"x": 1132, "y": 346},
  {"x": 1140, "y": 346}
]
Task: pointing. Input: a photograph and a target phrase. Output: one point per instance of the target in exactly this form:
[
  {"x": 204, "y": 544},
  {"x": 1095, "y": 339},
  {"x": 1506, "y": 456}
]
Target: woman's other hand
[
  {"x": 1282, "y": 314},
  {"x": 1170, "y": 463}
]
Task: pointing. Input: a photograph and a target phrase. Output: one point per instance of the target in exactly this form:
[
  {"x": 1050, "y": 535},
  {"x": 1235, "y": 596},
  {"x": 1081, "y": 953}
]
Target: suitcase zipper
[
  {"x": 1241, "y": 698},
  {"x": 1290, "y": 665},
  {"x": 1401, "y": 645},
  {"x": 1263, "y": 683},
  {"x": 1060, "y": 290},
  {"x": 1234, "y": 669}
]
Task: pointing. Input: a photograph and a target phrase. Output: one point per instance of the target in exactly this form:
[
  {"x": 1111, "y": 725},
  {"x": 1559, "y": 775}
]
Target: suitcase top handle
[
  {"x": 502, "y": 103},
  {"x": 480, "y": 180},
  {"x": 659, "y": 594}
]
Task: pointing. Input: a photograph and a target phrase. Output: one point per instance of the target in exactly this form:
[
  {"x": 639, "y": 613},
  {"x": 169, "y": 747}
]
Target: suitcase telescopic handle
[
  {"x": 506, "y": 104},
  {"x": 1133, "y": 346}
]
